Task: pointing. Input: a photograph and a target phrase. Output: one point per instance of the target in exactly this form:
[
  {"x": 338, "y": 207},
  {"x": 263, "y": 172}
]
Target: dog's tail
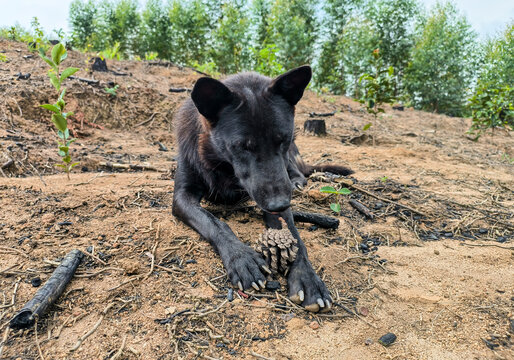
[{"x": 334, "y": 169}]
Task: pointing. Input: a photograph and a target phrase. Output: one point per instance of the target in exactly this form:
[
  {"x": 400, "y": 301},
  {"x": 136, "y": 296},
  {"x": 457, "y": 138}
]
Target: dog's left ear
[
  {"x": 292, "y": 84},
  {"x": 210, "y": 97}
]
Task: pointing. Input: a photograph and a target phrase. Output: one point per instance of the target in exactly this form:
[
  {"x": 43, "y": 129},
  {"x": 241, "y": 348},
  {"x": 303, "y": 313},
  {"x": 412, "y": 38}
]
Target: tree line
[{"x": 437, "y": 59}]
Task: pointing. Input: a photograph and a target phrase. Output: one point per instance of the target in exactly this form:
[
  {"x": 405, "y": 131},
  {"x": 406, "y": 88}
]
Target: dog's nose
[{"x": 277, "y": 206}]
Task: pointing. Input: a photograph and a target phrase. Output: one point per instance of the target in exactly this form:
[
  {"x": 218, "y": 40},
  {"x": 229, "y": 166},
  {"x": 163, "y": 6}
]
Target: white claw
[
  {"x": 262, "y": 283},
  {"x": 255, "y": 286},
  {"x": 328, "y": 304},
  {"x": 265, "y": 268},
  {"x": 240, "y": 286},
  {"x": 320, "y": 303},
  {"x": 301, "y": 295}
]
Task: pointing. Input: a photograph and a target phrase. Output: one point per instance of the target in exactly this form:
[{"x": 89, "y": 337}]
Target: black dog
[{"x": 236, "y": 142}]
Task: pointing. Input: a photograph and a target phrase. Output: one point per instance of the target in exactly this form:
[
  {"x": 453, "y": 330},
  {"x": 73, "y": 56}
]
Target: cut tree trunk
[{"x": 316, "y": 127}]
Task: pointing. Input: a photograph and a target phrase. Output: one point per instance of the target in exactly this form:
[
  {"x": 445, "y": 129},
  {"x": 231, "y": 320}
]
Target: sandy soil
[{"x": 437, "y": 273}]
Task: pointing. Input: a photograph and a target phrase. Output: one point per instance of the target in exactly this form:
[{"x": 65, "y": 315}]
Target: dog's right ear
[{"x": 210, "y": 97}]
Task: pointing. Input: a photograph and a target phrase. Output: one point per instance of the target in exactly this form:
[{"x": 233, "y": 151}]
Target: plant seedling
[
  {"x": 59, "y": 117},
  {"x": 335, "y": 207},
  {"x": 378, "y": 88},
  {"x": 112, "y": 91}
]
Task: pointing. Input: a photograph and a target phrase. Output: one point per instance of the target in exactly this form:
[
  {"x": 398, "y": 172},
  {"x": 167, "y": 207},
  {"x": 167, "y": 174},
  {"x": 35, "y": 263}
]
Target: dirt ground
[{"x": 435, "y": 266}]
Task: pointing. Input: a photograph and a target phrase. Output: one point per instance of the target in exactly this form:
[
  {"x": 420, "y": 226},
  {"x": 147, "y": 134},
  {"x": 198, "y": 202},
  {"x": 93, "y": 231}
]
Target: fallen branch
[
  {"x": 144, "y": 122},
  {"x": 358, "y": 188},
  {"x": 87, "y": 81},
  {"x": 139, "y": 167},
  {"x": 93, "y": 329},
  {"x": 48, "y": 293},
  {"x": 7, "y": 164},
  {"x": 361, "y": 208},
  {"x": 315, "y": 114},
  {"x": 322, "y": 221},
  {"x": 485, "y": 245},
  {"x": 178, "y": 90}
]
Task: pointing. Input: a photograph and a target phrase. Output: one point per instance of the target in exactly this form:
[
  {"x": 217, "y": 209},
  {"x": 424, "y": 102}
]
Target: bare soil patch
[{"x": 435, "y": 266}]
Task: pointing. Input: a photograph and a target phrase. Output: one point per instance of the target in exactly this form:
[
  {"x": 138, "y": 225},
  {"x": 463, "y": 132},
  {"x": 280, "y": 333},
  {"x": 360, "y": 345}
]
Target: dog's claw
[
  {"x": 320, "y": 303},
  {"x": 262, "y": 283},
  {"x": 299, "y": 187},
  {"x": 265, "y": 268},
  {"x": 255, "y": 286},
  {"x": 240, "y": 286},
  {"x": 301, "y": 295},
  {"x": 327, "y": 307}
]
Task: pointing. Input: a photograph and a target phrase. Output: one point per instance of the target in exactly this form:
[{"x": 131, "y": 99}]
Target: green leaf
[
  {"x": 57, "y": 52},
  {"x": 54, "y": 80},
  {"x": 71, "y": 141},
  {"x": 61, "y": 166},
  {"x": 335, "y": 208},
  {"x": 328, "y": 190},
  {"x": 61, "y": 104},
  {"x": 367, "y": 126},
  {"x": 48, "y": 61},
  {"x": 66, "y": 133},
  {"x": 68, "y": 72},
  {"x": 67, "y": 159},
  {"x": 344, "y": 191},
  {"x": 60, "y": 122},
  {"x": 61, "y": 153},
  {"x": 64, "y": 148},
  {"x": 73, "y": 165},
  {"x": 51, "y": 107},
  {"x": 60, "y": 134}
]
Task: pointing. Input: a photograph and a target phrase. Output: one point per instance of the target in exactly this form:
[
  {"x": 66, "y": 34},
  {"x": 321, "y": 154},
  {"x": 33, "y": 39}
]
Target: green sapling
[
  {"x": 59, "y": 117},
  {"x": 335, "y": 207}
]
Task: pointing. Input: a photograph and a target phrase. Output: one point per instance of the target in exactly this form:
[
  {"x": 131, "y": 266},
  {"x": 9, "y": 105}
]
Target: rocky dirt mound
[{"x": 432, "y": 261}]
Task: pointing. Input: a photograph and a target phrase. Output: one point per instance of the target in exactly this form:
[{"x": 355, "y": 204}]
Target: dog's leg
[
  {"x": 244, "y": 266},
  {"x": 305, "y": 287}
]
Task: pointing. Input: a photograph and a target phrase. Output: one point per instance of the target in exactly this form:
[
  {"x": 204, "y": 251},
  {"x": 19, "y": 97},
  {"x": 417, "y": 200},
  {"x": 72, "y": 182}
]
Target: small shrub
[
  {"x": 112, "y": 91},
  {"x": 59, "y": 117},
  {"x": 378, "y": 87},
  {"x": 491, "y": 107},
  {"x": 267, "y": 62},
  {"x": 335, "y": 207}
]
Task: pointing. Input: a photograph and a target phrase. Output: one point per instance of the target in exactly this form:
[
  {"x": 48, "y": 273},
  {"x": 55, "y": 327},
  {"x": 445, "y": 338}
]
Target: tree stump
[
  {"x": 99, "y": 65},
  {"x": 316, "y": 127}
]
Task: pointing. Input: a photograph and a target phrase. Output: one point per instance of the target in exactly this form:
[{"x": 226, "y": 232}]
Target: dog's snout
[{"x": 277, "y": 206}]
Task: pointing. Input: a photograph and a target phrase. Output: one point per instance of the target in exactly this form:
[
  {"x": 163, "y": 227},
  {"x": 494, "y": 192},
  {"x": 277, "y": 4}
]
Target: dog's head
[{"x": 250, "y": 121}]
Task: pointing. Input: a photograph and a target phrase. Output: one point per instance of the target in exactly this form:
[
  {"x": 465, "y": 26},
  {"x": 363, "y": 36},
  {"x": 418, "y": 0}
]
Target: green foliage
[
  {"x": 59, "y": 117},
  {"x": 82, "y": 17},
  {"x": 335, "y": 207},
  {"x": 231, "y": 38},
  {"x": 393, "y": 22},
  {"x": 112, "y": 90},
  {"x": 331, "y": 69},
  {"x": 292, "y": 28},
  {"x": 112, "y": 52},
  {"x": 491, "y": 104},
  {"x": 378, "y": 87},
  {"x": 491, "y": 107},
  {"x": 443, "y": 62},
  {"x": 266, "y": 61},
  {"x": 3, "y": 58}
]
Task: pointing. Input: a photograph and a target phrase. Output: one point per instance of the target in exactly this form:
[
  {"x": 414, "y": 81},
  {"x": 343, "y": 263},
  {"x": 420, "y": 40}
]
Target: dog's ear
[
  {"x": 292, "y": 84},
  {"x": 210, "y": 96}
]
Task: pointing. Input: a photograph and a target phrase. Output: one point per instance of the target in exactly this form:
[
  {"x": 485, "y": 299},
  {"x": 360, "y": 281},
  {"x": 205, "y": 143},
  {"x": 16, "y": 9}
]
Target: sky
[{"x": 486, "y": 16}]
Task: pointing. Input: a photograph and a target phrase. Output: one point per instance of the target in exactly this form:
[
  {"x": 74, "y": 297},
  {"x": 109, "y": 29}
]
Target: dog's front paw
[
  {"x": 307, "y": 289},
  {"x": 246, "y": 269}
]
